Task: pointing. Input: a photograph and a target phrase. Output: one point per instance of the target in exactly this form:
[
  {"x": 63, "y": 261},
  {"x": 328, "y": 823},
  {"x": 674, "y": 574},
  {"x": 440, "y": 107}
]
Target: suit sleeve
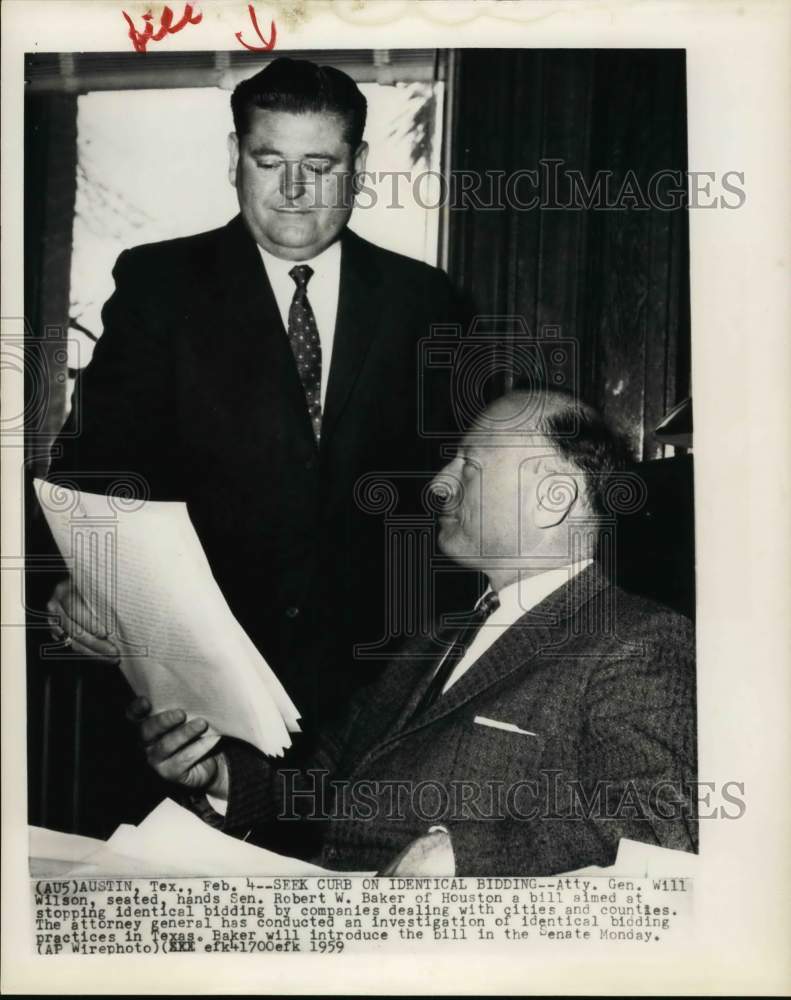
[
  {"x": 635, "y": 767},
  {"x": 263, "y": 789},
  {"x": 120, "y": 421}
]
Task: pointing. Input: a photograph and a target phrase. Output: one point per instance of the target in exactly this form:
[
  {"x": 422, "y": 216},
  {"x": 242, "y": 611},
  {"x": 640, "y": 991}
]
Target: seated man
[{"x": 560, "y": 718}]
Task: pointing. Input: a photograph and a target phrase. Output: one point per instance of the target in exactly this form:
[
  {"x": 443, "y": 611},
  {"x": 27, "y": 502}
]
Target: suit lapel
[
  {"x": 356, "y": 326},
  {"x": 516, "y": 649},
  {"x": 418, "y": 689},
  {"x": 255, "y": 321}
]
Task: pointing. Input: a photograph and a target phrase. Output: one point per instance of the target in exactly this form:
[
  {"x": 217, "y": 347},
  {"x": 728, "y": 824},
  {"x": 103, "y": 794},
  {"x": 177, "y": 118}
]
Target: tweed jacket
[{"x": 597, "y": 690}]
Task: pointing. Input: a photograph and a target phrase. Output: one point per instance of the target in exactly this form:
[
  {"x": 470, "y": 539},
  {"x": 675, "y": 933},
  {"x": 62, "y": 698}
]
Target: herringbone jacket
[{"x": 596, "y": 688}]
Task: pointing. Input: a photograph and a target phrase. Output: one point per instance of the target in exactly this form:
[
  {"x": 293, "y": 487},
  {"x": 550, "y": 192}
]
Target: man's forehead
[{"x": 296, "y": 126}]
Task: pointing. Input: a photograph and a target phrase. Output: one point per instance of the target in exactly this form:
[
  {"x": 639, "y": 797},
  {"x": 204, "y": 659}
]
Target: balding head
[
  {"x": 521, "y": 412},
  {"x": 573, "y": 431}
]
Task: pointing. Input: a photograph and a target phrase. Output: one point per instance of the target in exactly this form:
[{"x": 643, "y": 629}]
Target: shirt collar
[
  {"x": 327, "y": 259},
  {"x": 528, "y": 591}
]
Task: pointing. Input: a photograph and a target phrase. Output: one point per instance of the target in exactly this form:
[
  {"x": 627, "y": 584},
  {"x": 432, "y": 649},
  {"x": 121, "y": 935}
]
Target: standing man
[{"x": 256, "y": 372}]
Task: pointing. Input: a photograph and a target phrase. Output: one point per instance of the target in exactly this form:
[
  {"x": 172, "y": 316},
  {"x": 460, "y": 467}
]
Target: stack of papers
[
  {"x": 170, "y": 841},
  {"x": 144, "y": 574}
]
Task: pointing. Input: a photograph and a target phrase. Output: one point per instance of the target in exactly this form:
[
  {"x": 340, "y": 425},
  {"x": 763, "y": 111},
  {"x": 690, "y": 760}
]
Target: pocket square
[{"x": 509, "y": 727}]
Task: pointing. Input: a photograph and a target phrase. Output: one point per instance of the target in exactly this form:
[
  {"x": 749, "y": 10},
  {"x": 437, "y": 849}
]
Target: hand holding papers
[{"x": 140, "y": 567}]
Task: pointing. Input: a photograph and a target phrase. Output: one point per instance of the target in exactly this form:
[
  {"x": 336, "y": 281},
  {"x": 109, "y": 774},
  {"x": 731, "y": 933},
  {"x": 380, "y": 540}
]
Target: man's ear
[
  {"x": 233, "y": 157},
  {"x": 360, "y": 156},
  {"x": 557, "y": 493}
]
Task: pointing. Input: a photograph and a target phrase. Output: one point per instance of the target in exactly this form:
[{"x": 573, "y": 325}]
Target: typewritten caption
[{"x": 333, "y": 914}]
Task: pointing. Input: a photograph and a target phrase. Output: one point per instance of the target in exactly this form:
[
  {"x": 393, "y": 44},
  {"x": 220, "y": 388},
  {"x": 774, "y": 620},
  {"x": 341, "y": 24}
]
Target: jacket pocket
[{"x": 485, "y": 753}]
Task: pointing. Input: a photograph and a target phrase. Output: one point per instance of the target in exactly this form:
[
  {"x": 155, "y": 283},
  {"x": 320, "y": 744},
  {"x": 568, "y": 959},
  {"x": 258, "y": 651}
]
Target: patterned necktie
[
  {"x": 303, "y": 335},
  {"x": 485, "y": 606}
]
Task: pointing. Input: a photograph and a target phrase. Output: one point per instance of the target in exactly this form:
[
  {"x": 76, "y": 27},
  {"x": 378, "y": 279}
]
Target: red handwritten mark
[
  {"x": 140, "y": 39},
  {"x": 268, "y": 45}
]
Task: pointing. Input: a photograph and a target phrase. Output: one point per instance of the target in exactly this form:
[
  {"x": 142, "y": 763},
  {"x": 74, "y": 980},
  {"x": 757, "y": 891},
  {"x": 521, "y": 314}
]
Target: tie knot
[
  {"x": 301, "y": 273},
  {"x": 487, "y": 605}
]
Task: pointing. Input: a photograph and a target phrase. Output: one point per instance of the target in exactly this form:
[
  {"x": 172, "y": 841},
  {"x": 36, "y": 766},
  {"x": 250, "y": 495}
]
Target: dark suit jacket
[
  {"x": 602, "y": 681},
  {"x": 193, "y": 387}
]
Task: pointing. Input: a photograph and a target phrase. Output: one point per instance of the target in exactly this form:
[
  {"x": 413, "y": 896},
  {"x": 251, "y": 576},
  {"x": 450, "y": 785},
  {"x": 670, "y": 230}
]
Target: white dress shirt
[
  {"x": 515, "y": 600},
  {"x": 323, "y": 290}
]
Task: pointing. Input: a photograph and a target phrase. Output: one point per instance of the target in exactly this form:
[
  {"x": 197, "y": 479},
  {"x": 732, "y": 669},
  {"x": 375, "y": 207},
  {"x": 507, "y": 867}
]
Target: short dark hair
[
  {"x": 579, "y": 434},
  {"x": 299, "y": 86}
]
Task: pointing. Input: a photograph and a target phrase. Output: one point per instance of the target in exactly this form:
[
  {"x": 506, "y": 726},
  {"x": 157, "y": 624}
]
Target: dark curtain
[
  {"x": 615, "y": 281},
  {"x": 50, "y": 185}
]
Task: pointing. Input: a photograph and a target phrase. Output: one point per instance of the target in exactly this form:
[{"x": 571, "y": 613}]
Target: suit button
[{"x": 292, "y": 612}]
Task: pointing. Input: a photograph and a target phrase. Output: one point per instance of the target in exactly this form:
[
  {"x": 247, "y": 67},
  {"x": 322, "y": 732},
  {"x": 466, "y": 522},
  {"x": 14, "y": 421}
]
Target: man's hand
[
  {"x": 177, "y": 749},
  {"x": 73, "y": 623},
  {"x": 431, "y": 854}
]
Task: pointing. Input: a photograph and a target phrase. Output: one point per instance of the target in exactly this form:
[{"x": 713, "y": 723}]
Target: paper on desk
[
  {"x": 54, "y": 853},
  {"x": 653, "y": 861},
  {"x": 646, "y": 860},
  {"x": 57, "y": 846},
  {"x": 143, "y": 572},
  {"x": 171, "y": 841},
  {"x": 175, "y": 836}
]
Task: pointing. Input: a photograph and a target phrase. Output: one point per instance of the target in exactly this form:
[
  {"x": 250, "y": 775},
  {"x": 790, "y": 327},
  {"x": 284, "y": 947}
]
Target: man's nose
[{"x": 294, "y": 180}]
